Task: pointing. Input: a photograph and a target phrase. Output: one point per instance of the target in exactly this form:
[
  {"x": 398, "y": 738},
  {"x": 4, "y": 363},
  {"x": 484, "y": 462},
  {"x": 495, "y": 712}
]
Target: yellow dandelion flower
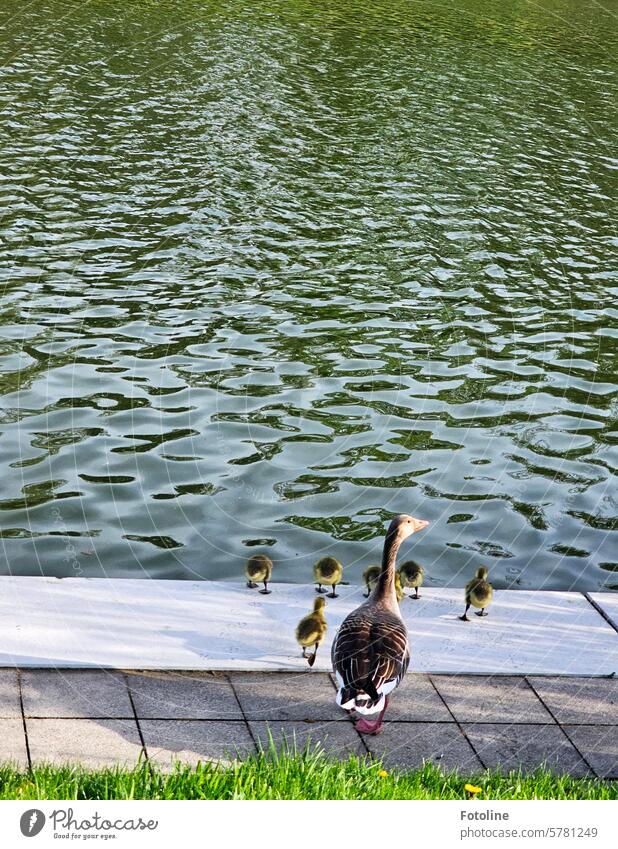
[
  {"x": 473, "y": 789},
  {"x": 383, "y": 773}
]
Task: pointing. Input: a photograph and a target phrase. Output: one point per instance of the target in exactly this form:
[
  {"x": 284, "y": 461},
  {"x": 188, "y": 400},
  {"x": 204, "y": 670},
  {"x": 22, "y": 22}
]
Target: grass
[{"x": 289, "y": 775}]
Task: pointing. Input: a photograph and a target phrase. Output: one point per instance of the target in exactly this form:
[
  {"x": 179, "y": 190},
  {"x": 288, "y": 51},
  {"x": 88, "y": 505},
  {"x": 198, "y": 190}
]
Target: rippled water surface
[{"x": 272, "y": 272}]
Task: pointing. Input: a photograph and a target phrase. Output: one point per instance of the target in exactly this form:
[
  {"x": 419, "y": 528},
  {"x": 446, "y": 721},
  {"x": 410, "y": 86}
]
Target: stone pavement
[{"x": 104, "y": 717}]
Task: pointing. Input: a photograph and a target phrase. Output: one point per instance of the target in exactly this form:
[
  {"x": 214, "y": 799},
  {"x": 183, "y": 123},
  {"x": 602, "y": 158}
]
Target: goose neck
[{"x": 386, "y": 580}]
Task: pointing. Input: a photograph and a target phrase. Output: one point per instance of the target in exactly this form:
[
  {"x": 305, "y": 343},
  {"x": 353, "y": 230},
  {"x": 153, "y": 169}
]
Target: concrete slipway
[{"x": 157, "y": 624}]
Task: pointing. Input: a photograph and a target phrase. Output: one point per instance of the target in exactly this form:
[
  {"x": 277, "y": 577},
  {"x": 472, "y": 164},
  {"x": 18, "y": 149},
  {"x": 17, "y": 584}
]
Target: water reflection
[{"x": 272, "y": 274}]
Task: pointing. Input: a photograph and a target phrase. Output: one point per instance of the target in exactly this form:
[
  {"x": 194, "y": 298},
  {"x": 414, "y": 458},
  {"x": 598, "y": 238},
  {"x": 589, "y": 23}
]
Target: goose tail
[
  {"x": 366, "y": 706},
  {"x": 346, "y": 698},
  {"x": 360, "y": 702}
]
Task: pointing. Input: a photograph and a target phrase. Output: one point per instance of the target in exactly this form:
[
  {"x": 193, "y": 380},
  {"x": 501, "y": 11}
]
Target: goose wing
[{"x": 370, "y": 656}]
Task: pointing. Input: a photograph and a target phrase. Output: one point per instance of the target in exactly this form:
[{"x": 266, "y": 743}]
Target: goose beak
[{"x": 419, "y": 524}]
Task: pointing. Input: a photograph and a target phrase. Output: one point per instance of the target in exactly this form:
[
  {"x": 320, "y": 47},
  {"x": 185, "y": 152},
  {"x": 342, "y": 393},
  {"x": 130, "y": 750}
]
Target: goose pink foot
[{"x": 371, "y": 726}]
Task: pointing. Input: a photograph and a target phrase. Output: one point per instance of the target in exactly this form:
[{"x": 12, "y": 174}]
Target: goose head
[
  {"x": 481, "y": 573},
  {"x": 319, "y": 604},
  {"x": 404, "y": 526}
]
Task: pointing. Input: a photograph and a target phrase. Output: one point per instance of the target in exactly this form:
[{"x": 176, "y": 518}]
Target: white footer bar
[{"x": 302, "y": 825}]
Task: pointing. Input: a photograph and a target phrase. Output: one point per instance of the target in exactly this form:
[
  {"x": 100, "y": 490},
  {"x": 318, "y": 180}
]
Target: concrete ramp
[{"x": 157, "y": 624}]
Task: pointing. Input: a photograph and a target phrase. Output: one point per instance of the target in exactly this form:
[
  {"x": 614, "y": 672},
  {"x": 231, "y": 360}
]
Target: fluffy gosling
[
  {"x": 329, "y": 571},
  {"x": 311, "y": 629},
  {"x": 370, "y": 578},
  {"x": 412, "y": 575},
  {"x": 398, "y": 588},
  {"x": 259, "y": 568},
  {"x": 479, "y": 593}
]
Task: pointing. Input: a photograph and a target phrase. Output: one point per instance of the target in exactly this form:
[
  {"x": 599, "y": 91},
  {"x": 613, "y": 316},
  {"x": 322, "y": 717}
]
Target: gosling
[
  {"x": 370, "y": 578},
  {"x": 329, "y": 571},
  {"x": 398, "y": 588},
  {"x": 479, "y": 593},
  {"x": 412, "y": 575},
  {"x": 259, "y": 568},
  {"x": 311, "y": 629}
]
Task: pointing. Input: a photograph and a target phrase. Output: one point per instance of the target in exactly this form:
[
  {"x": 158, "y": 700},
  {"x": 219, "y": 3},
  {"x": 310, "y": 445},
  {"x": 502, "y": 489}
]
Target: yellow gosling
[
  {"x": 370, "y": 578},
  {"x": 311, "y": 629},
  {"x": 398, "y": 588},
  {"x": 479, "y": 593},
  {"x": 329, "y": 571},
  {"x": 259, "y": 568},
  {"x": 412, "y": 575}
]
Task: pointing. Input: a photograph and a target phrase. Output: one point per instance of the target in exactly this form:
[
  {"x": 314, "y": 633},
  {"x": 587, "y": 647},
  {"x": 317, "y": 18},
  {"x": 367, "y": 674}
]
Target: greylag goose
[
  {"x": 370, "y": 652},
  {"x": 479, "y": 593},
  {"x": 259, "y": 568},
  {"x": 329, "y": 571},
  {"x": 412, "y": 574},
  {"x": 311, "y": 629}
]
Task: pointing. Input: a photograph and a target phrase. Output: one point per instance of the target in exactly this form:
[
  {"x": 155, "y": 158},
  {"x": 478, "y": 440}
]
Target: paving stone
[
  {"x": 336, "y": 739},
  {"x": 10, "y": 705},
  {"x": 183, "y": 695},
  {"x": 416, "y": 700},
  {"x": 90, "y": 742},
  {"x": 599, "y": 746},
  {"x": 406, "y": 745},
  {"x": 524, "y": 746},
  {"x": 580, "y": 700},
  {"x": 87, "y": 693},
  {"x": 13, "y": 743},
  {"x": 486, "y": 698},
  {"x": 291, "y": 696},
  {"x": 190, "y": 741}
]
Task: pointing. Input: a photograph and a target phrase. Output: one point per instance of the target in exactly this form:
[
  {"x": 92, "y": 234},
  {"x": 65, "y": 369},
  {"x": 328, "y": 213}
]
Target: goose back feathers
[{"x": 370, "y": 657}]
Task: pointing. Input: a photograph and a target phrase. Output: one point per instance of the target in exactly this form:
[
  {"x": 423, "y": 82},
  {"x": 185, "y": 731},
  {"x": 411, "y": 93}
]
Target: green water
[{"x": 272, "y": 272}]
